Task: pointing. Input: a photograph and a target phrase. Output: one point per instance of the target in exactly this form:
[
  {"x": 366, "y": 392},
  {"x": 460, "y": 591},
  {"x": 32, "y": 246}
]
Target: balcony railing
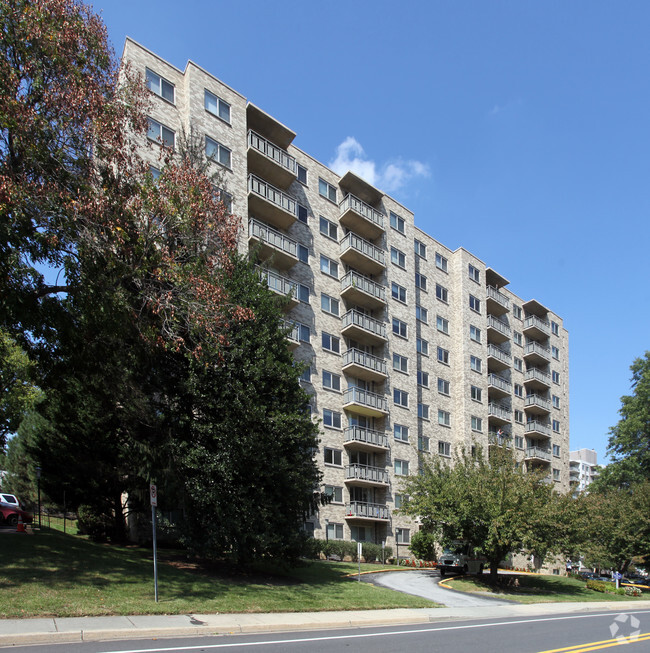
[
  {"x": 499, "y": 411},
  {"x": 354, "y": 395},
  {"x": 536, "y": 400},
  {"x": 367, "y": 510},
  {"x": 498, "y": 353},
  {"x": 532, "y": 321},
  {"x": 535, "y": 348},
  {"x": 370, "y": 324},
  {"x": 535, "y": 374},
  {"x": 294, "y": 334},
  {"x": 272, "y": 194},
  {"x": 499, "y": 382},
  {"x": 366, "y": 473},
  {"x": 535, "y": 426},
  {"x": 500, "y": 326},
  {"x": 358, "y": 244},
  {"x": 278, "y": 283},
  {"x": 500, "y": 440},
  {"x": 366, "y": 436},
  {"x": 500, "y": 298},
  {"x": 355, "y": 280},
  {"x": 350, "y": 202},
  {"x": 274, "y": 238},
  {"x": 538, "y": 452},
  {"x": 358, "y": 357},
  {"x": 280, "y": 156}
]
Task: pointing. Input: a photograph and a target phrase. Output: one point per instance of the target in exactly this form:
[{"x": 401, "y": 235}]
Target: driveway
[{"x": 424, "y": 583}]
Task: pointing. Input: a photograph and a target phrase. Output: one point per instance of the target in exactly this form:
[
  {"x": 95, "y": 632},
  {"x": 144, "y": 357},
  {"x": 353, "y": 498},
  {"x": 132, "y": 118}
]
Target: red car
[{"x": 9, "y": 515}]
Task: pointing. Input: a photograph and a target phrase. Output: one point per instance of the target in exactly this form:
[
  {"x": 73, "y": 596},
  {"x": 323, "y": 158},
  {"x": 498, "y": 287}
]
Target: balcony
[
  {"x": 536, "y": 428},
  {"x": 497, "y": 439},
  {"x": 363, "y": 328},
  {"x": 498, "y": 331},
  {"x": 281, "y": 285},
  {"x": 370, "y": 511},
  {"x": 536, "y": 404},
  {"x": 497, "y": 303},
  {"x": 360, "y": 217},
  {"x": 363, "y": 439},
  {"x": 538, "y": 454},
  {"x": 498, "y": 386},
  {"x": 360, "y": 290},
  {"x": 270, "y": 161},
  {"x": 366, "y": 475},
  {"x": 364, "y": 366},
  {"x": 536, "y": 353},
  {"x": 271, "y": 203},
  {"x": 499, "y": 413},
  {"x": 498, "y": 359},
  {"x": 537, "y": 379},
  {"x": 364, "y": 402},
  {"x": 362, "y": 255},
  {"x": 537, "y": 328},
  {"x": 293, "y": 336},
  {"x": 272, "y": 244}
]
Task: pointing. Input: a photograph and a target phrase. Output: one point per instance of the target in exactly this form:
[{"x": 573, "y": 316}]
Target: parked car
[
  {"x": 9, "y": 499},
  {"x": 9, "y": 515},
  {"x": 588, "y": 575}
]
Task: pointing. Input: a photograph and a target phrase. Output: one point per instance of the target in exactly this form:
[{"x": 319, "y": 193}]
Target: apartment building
[
  {"x": 413, "y": 349},
  {"x": 583, "y": 469}
]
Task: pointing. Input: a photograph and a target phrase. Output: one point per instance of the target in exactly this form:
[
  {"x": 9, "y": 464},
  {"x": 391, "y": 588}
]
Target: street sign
[
  {"x": 153, "y": 495},
  {"x": 617, "y": 575}
]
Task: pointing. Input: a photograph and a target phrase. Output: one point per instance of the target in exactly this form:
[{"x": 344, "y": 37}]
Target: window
[
  {"x": 326, "y": 190},
  {"x": 400, "y": 398},
  {"x": 331, "y": 381},
  {"x": 555, "y": 376},
  {"x": 400, "y": 363},
  {"x": 304, "y": 333},
  {"x": 396, "y": 222},
  {"x": 401, "y": 467},
  {"x": 303, "y": 253},
  {"x": 423, "y": 379},
  {"x": 397, "y": 257},
  {"x": 443, "y": 386},
  {"x": 305, "y": 375},
  {"x": 399, "y": 500},
  {"x": 444, "y": 448},
  {"x": 474, "y": 274},
  {"x": 556, "y": 474},
  {"x": 441, "y": 262},
  {"x": 423, "y": 411},
  {"x": 421, "y": 314},
  {"x": 160, "y": 86},
  {"x": 444, "y": 418},
  {"x": 420, "y": 248},
  {"x": 556, "y": 401},
  {"x": 442, "y": 324},
  {"x": 556, "y": 450},
  {"x": 475, "y": 303},
  {"x": 301, "y": 171},
  {"x": 359, "y": 533},
  {"x": 516, "y": 311},
  {"x": 156, "y": 131},
  {"x": 555, "y": 328},
  {"x": 475, "y": 363},
  {"x": 422, "y": 346},
  {"x": 556, "y": 425},
  {"x": 398, "y": 292},
  {"x": 332, "y": 419},
  {"x": 399, "y": 328},
  {"x": 332, "y": 456},
  {"x": 328, "y": 266},
  {"x": 334, "y": 531},
  {"x": 474, "y": 333},
  {"x": 519, "y": 442},
  {"x": 401, "y": 432},
  {"x": 303, "y": 293},
  {"x": 555, "y": 352},
  {"x": 216, "y": 106},
  {"x": 443, "y": 356},
  {"x": 519, "y": 364},
  {"x": 441, "y": 293},
  {"x": 476, "y": 393},
  {"x": 420, "y": 281},
  {"x": 519, "y": 390},
  {"x": 217, "y": 152},
  {"x": 477, "y": 424},
  {"x": 302, "y": 213},
  {"x": 402, "y": 535},
  {"x": 518, "y": 338},
  {"x": 335, "y": 493},
  {"x": 423, "y": 443},
  {"x": 331, "y": 343},
  {"x": 519, "y": 416},
  {"x": 328, "y": 228},
  {"x": 329, "y": 304}
]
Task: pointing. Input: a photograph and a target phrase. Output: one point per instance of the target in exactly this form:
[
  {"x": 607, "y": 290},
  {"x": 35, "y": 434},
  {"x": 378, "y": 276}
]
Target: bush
[
  {"x": 608, "y": 588},
  {"x": 93, "y": 523},
  {"x": 423, "y": 546},
  {"x": 633, "y": 591},
  {"x": 312, "y": 548}
]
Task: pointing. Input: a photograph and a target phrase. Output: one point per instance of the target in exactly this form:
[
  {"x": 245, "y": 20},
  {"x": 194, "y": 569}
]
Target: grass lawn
[
  {"x": 52, "y": 574},
  {"x": 539, "y": 589}
]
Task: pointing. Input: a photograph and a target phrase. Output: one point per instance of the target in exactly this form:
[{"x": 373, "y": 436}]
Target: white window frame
[
  {"x": 334, "y": 343},
  {"x": 222, "y": 152},
  {"x": 476, "y": 393},
  {"x": 400, "y": 398},
  {"x": 424, "y": 443},
  {"x": 442, "y": 324},
  {"x": 442, "y": 294},
  {"x": 444, "y": 417},
  {"x": 474, "y": 303},
  {"x": 328, "y": 228},
  {"x": 423, "y": 411},
  {"x": 423, "y": 378},
  {"x": 333, "y": 455},
  {"x": 444, "y": 448},
  {"x": 477, "y": 424},
  {"x": 396, "y": 222},
  {"x": 401, "y": 467},
  {"x": 332, "y": 419},
  {"x": 299, "y": 168},
  {"x": 397, "y": 292},
  {"x": 161, "y": 82},
  {"x": 400, "y": 363},
  {"x": 421, "y": 281},
  {"x": 400, "y": 432},
  {"x": 441, "y": 262},
  {"x": 444, "y": 386},
  {"x": 421, "y": 314},
  {"x": 398, "y": 258},
  {"x": 474, "y": 273},
  {"x": 442, "y": 355},
  {"x": 329, "y": 267},
  {"x": 333, "y": 491},
  {"x": 476, "y": 364},
  {"x": 474, "y": 333},
  {"x": 331, "y": 381},
  {"x": 161, "y": 138},
  {"x": 326, "y": 190},
  {"x": 402, "y": 328},
  {"x": 222, "y": 108},
  {"x": 422, "y": 346},
  {"x": 420, "y": 248}
]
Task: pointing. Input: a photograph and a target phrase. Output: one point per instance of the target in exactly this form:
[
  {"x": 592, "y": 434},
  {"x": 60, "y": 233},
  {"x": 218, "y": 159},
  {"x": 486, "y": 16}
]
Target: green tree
[{"x": 488, "y": 501}]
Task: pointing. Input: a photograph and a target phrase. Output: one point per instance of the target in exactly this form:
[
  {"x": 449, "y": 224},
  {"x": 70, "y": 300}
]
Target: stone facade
[{"x": 414, "y": 349}]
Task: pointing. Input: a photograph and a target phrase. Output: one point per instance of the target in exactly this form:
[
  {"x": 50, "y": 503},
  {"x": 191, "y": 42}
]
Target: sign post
[
  {"x": 617, "y": 577},
  {"x": 359, "y": 549},
  {"x": 153, "y": 496}
]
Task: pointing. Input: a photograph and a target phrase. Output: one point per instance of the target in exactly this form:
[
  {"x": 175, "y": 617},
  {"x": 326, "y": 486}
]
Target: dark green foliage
[{"x": 423, "y": 545}]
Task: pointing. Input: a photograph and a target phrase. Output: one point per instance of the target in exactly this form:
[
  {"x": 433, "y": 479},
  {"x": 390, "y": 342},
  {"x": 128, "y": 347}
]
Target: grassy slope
[{"x": 52, "y": 574}]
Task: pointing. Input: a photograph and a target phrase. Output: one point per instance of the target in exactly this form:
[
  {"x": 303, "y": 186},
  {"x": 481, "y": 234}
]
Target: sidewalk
[{"x": 15, "y": 632}]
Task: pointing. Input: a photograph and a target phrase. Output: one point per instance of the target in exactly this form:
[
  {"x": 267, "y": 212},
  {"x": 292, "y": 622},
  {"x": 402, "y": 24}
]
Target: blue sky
[{"x": 519, "y": 130}]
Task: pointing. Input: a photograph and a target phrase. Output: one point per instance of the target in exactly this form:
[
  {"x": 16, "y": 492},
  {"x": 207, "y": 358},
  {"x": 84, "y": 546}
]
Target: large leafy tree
[{"x": 488, "y": 501}]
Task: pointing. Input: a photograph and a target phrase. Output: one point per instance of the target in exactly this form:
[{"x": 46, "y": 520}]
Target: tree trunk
[{"x": 494, "y": 571}]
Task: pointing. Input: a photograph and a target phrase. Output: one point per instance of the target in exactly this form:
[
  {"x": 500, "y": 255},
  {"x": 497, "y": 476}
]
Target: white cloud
[{"x": 389, "y": 177}]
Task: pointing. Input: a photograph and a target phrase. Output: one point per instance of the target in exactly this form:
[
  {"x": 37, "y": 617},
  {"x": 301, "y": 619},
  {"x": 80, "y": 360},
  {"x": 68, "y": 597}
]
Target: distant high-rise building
[{"x": 582, "y": 468}]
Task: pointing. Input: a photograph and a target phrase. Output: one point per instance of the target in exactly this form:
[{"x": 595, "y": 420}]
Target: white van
[{"x": 459, "y": 558}]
